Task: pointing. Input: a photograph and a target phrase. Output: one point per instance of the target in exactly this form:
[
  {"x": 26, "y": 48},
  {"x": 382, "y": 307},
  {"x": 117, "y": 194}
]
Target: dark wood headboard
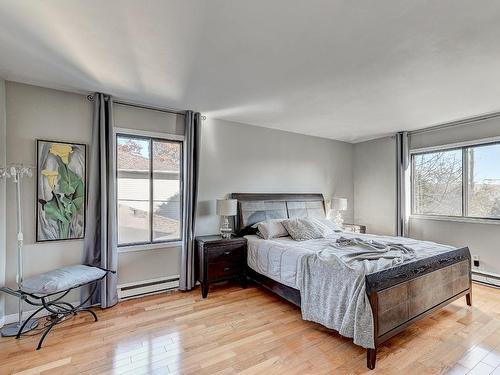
[{"x": 255, "y": 207}]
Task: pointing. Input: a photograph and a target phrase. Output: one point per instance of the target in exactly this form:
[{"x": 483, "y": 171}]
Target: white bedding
[{"x": 279, "y": 258}]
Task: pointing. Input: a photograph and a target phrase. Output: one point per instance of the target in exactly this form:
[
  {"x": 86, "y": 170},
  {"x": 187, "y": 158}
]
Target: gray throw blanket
[{"x": 332, "y": 287}]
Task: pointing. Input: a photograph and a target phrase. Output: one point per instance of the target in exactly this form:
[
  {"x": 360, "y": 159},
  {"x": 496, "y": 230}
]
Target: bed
[{"x": 398, "y": 295}]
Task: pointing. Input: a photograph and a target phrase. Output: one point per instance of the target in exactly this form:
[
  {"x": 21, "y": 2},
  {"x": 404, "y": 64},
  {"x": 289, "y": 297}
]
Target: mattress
[{"x": 280, "y": 258}]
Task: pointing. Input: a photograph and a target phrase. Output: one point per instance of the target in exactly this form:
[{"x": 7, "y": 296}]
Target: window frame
[
  {"x": 463, "y": 147},
  {"x": 151, "y": 137}
]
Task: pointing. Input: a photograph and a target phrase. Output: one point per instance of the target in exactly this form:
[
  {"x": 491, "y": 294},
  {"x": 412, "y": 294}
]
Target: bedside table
[
  {"x": 220, "y": 259},
  {"x": 354, "y": 228}
]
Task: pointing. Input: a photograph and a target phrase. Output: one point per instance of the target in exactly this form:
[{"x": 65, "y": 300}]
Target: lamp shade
[
  {"x": 226, "y": 207},
  {"x": 339, "y": 204}
]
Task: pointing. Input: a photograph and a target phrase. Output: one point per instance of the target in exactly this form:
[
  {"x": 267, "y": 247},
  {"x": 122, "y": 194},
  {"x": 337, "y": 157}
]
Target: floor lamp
[{"x": 17, "y": 173}]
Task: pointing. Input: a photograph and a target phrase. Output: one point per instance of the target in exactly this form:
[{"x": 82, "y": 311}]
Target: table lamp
[{"x": 225, "y": 208}]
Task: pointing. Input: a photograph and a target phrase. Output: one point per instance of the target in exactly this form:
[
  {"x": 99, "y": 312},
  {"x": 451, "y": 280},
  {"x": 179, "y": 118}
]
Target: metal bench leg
[
  {"x": 19, "y": 333},
  {"x": 69, "y": 309},
  {"x": 54, "y": 322},
  {"x": 73, "y": 309}
]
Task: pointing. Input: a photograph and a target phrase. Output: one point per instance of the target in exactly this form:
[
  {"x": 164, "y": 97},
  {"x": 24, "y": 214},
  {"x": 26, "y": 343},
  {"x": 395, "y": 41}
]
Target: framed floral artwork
[{"x": 61, "y": 187}]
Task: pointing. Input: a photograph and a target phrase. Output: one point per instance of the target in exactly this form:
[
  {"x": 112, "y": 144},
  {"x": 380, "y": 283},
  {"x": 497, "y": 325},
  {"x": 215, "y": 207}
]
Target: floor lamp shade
[{"x": 226, "y": 207}]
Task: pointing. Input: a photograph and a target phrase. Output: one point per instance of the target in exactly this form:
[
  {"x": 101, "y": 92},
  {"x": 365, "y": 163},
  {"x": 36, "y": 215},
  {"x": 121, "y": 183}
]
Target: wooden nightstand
[
  {"x": 220, "y": 259},
  {"x": 354, "y": 228}
]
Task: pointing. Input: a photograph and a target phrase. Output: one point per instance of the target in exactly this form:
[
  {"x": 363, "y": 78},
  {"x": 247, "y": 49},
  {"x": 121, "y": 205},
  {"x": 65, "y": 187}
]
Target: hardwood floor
[{"x": 250, "y": 331}]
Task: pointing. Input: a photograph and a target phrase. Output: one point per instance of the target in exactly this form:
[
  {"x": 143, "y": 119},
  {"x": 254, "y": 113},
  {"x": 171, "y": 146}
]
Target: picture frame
[{"x": 61, "y": 190}]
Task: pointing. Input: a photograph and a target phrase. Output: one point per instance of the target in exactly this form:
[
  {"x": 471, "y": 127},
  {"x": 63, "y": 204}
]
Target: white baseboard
[
  {"x": 147, "y": 287},
  {"x": 486, "y": 277},
  {"x": 12, "y": 318}
]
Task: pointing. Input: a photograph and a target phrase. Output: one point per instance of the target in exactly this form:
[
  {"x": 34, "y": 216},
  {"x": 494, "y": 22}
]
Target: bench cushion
[{"x": 62, "y": 279}]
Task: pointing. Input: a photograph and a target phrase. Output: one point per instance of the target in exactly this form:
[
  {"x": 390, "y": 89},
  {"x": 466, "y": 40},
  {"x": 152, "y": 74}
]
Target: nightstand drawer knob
[
  {"x": 227, "y": 252},
  {"x": 227, "y": 269}
]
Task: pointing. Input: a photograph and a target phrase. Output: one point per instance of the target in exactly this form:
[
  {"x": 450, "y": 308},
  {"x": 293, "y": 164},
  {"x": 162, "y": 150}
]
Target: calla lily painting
[{"x": 60, "y": 191}]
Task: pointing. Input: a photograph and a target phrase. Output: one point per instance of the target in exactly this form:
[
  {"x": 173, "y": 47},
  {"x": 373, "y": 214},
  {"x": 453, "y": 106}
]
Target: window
[
  {"x": 459, "y": 182},
  {"x": 483, "y": 188},
  {"x": 148, "y": 189},
  {"x": 438, "y": 183}
]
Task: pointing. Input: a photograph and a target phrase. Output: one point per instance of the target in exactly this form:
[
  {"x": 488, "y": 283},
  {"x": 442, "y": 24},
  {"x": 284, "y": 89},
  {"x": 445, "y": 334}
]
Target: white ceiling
[{"x": 347, "y": 70}]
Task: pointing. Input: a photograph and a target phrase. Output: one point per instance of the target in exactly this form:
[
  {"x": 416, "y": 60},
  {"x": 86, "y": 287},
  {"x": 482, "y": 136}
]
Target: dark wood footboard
[{"x": 402, "y": 295}]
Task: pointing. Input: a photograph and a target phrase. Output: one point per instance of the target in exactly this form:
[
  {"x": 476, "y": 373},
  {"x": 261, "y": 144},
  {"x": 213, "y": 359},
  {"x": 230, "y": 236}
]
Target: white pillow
[
  {"x": 302, "y": 229},
  {"x": 271, "y": 229}
]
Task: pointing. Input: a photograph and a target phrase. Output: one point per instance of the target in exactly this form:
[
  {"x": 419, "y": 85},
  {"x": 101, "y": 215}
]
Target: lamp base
[
  {"x": 12, "y": 329},
  {"x": 225, "y": 229},
  {"x": 338, "y": 219},
  {"x": 226, "y": 233}
]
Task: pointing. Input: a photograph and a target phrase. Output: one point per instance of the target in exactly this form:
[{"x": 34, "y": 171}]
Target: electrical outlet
[{"x": 475, "y": 261}]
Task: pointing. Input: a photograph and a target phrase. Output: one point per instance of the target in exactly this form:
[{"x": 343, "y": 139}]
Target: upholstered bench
[{"x": 48, "y": 289}]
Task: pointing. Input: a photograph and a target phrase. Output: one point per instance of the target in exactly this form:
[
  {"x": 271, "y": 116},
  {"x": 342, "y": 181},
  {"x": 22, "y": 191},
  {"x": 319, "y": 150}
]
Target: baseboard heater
[
  {"x": 486, "y": 278},
  {"x": 146, "y": 287}
]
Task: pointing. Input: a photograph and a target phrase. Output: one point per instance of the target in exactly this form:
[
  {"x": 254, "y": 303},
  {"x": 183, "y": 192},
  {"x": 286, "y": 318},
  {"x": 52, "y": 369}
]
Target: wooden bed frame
[{"x": 398, "y": 296}]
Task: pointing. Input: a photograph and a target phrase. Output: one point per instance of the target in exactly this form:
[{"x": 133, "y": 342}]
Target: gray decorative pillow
[
  {"x": 302, "y": 229},
  {"x": 327, "y": 227},
  {"x": 271, "y": 229}
]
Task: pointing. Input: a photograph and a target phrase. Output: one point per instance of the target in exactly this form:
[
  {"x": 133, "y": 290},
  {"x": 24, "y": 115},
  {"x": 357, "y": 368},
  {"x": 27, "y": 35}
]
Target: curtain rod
[
  {"x": 454, "y": 123},
  {"x": 143, "y": 106}
]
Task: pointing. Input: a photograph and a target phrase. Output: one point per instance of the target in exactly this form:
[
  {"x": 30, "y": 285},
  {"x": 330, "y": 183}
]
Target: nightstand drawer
[
  {"x": 231, "y": 253},
  {"x": 222, "y": 270}
]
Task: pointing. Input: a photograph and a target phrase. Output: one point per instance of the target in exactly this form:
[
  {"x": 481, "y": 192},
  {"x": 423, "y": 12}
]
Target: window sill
[
  {"x": 470, "y": 220},
  {"x": 147, "y": 247}
]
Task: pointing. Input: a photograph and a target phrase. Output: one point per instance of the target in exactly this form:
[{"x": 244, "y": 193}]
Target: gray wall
[
  {"x": 375, "y": 185},
  {"x": 38, "y": 113},
  {"x": 483, "y": 239},
  {"x": 467, "y": 132},
  {"x": 234, "y": 158},
  {"x": 136, "y": 118},
  {"x": 3, "y": 147},
  {"x": 243, "y": 158}
]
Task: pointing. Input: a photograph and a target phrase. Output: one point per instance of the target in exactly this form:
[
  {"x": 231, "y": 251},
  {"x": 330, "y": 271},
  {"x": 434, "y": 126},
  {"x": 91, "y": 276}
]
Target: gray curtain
[
  {"x": 189, "y": 198},
  {"x": 403, "y": 183},
  {"x": 100, "y": 226}
]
